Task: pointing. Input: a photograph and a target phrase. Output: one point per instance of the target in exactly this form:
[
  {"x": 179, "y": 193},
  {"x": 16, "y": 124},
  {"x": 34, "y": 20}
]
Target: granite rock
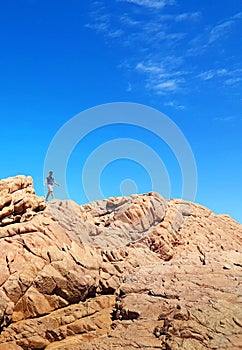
[{"x": 136, "y": 272}]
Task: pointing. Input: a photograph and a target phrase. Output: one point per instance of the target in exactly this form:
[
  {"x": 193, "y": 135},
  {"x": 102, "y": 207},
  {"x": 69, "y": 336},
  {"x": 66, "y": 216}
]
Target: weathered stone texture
[
  {"x": 18, "y": 202},
  {"x": 133, "y": 272}
]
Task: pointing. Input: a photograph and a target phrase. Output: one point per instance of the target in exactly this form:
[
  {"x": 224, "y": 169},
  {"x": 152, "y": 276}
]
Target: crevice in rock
[
  {"x": 28, "y": 249},
  {"x": 8, "y": 266},
  {"x": 161, "y": 332},
  {"x": 238, "y": 264},
  {"x": 163, "y": 295},
  {"x": 202, "y": 256},
  {"x": 121, "y": 314}
]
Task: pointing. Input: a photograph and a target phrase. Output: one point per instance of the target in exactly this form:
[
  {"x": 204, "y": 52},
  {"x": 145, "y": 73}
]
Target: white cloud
[
  {"x": 187, "y": 16},
  {"x": 98, "y": 26},
  {"x": 227, "y": 119},
  {"x": 103, "y": 25},
  {"x": 229, "y": 77},
  {"x": 170, "y": 85},
  {"x": 233, "y": 81},
  {"x": 163, "y": 77},
  {"x": 129, "y": 21},
  {"x": 181, "y": 107},
  {"x": 170, "y": 104},
  {"x": 219, "y": 31},
  {"x": 150, "y": 68},
  {"x": 155, "y": 4},
  {"x": 165, "y": 65},
  {"x": 165, "y": 87},
  {"x": 206, "y": 75},
  {"x": 115, "y": 33},
  {"x": 202, "y": 42},
  {"x": 237, "y": 16},
  {"x": 211, "y": 35},
  {"x": 213, "y": 73},
  {"x": 175, "y": 105},
  {"x": 150, "y": 32},
  {"x": 151, "y": 40},
  {"x": 129, "y": 88}
]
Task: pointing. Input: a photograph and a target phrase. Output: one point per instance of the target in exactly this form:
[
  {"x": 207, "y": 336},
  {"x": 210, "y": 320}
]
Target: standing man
[{"x": 50, "y": 183}]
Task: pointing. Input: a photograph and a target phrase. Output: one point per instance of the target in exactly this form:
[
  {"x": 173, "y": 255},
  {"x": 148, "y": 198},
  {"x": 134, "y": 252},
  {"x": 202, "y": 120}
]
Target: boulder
[{"x": 18, "y": 201}]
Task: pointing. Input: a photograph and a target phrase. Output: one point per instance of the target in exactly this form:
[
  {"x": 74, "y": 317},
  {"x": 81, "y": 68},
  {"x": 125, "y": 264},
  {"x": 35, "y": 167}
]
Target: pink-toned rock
[
  {"x": 110, "y": 223},
  {"x": 10, "y": 346},
  {"x": 18, "y": 201},
  {"x": 133, "y": 272}
]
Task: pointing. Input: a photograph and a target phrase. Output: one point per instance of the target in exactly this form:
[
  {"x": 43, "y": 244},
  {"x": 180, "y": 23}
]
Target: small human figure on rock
[{"x": 50, "y": 181}]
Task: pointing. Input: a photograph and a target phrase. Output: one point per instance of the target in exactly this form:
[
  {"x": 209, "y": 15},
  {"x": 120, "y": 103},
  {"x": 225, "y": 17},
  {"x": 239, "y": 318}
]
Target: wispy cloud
[
  {"x": 237, "y": 16},
  {"x": 168, "y": 85},
  {"x": 155, "y": 4},
  {"x": 103, "y": 24},
  {"x": 175, "y": 105},
  {"x": 161, "y": 19},
  {"x": 163, "y": 78},
  {"x": 225, "y": 119},
  {"x": 229, "y": 76},
  {"x": 187, "y": 16},
  {"x": 233, "y": 81},
  {"x": 168, "y": 67},
  {"x": 150, "y": 68},
  {"x": 212, "y": 34},
  {"x": 129, "y": 88},
  {"x": 142, "y": 33},
  {"x": 160, "y": 45},
  {"x": 210, "y": 74},
  {"x": 128, "y": 21},
  {"x": 219, "y": 31}
]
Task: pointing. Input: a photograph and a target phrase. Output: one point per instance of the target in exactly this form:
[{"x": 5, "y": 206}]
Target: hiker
[{"x": 50, "y": 183}]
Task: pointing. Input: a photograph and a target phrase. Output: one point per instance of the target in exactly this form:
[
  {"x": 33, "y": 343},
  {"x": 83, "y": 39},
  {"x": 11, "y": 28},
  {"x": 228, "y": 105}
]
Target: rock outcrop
[
  {"x": 133, "y": 272},
  {"x": 18, "y": 202}
]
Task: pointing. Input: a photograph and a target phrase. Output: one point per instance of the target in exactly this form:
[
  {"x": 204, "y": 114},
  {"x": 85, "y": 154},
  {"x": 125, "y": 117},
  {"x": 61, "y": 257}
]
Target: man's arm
[{"x": 56, "y": 183}]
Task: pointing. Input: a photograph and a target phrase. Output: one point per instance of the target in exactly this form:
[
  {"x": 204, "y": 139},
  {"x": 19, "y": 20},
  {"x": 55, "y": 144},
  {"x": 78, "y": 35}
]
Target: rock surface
[
  {"x": 133, "y": 272},
  {"x": 18, "y": 202}
]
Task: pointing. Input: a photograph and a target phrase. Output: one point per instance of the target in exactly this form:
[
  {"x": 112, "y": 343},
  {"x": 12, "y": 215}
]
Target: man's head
[{"x": 50, "y": 173}]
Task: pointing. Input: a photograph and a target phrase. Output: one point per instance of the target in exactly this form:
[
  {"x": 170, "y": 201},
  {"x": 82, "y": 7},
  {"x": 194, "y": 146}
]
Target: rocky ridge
[{"x": 133, "y": 272}]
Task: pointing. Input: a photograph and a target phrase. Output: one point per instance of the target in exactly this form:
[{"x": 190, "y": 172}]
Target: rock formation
[{"x": 130, "y": 273}]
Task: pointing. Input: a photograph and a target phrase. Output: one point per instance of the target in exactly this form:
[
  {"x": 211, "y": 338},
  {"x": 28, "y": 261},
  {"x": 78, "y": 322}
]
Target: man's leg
[{"x": 47, "y": 196}]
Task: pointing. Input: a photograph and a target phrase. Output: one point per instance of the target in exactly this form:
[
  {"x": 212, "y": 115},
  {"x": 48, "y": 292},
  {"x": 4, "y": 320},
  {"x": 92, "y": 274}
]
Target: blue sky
[{"x": 182, "y": 58}]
